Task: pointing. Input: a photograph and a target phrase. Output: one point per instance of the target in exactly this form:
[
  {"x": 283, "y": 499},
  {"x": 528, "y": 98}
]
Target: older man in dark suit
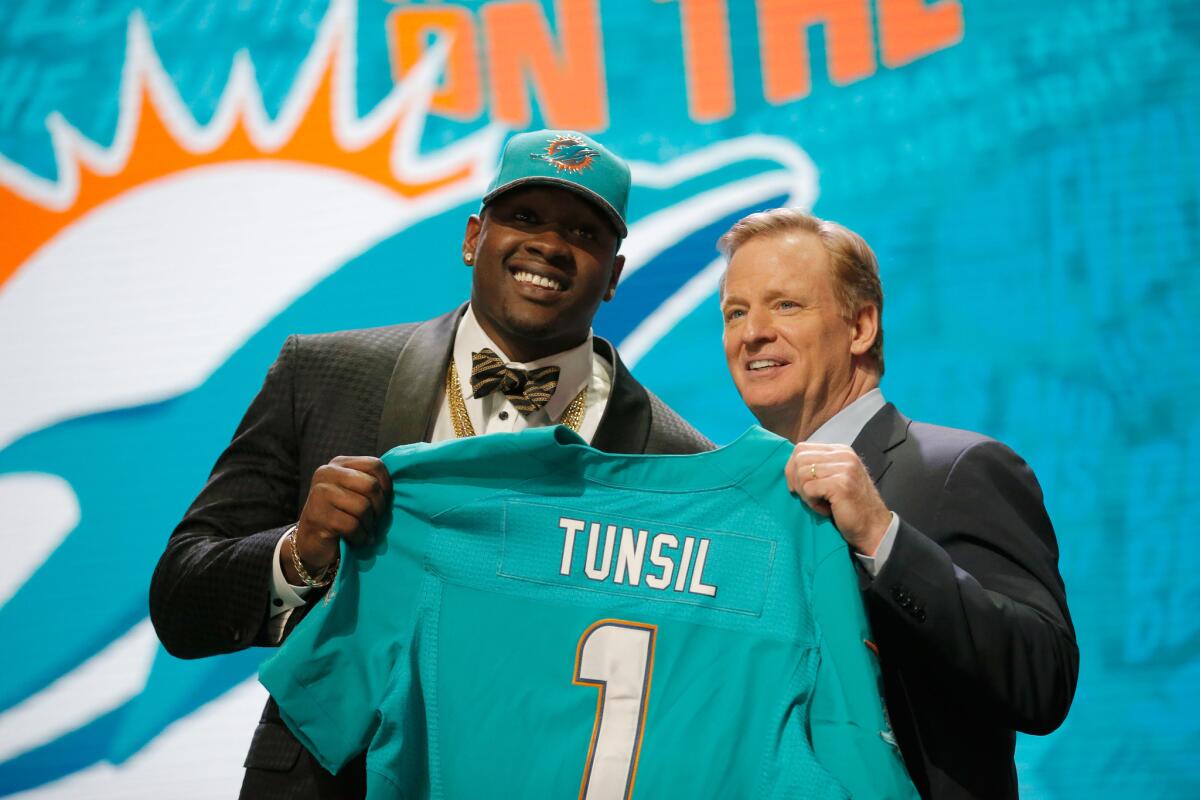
[
  {"x": 958, "y": 557},
  {"x": 261, "y": 541}
]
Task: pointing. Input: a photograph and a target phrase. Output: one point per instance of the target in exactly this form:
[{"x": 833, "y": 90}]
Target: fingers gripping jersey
[{"x": 545, "y": 620}]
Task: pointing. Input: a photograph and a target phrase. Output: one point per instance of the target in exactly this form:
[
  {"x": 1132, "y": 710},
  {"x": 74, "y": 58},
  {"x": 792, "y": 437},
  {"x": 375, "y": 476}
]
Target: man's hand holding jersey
[
  {"x": 346, "y": 499},
  {"x": 833, "y": 481}
]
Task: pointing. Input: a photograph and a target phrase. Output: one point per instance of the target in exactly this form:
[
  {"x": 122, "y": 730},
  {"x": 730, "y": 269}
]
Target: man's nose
[
  {"x": 758, "y": 327},
  {"x": 549, "y": 244}
]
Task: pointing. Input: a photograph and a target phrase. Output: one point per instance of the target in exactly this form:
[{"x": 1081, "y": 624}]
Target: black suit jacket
[
  {"x": 347, "y": 393},
  {"x": 969, "y": 611}
]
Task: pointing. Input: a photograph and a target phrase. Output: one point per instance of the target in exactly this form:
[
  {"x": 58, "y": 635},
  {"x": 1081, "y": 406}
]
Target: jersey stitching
[
  {"x": 387, "y": 778},
  {"x": 731, "y": 480},
  {"x": 650, "y": 490},
  {"x": 692, "y": 603},
  {"x": 433, "y": 610},
  {"x": 498, "y": 493}
]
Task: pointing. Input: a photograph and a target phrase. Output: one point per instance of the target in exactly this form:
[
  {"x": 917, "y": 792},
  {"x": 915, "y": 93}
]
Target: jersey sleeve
[
  {"x": 851, "y": 736},
  {"x": 353, "y": 651}
]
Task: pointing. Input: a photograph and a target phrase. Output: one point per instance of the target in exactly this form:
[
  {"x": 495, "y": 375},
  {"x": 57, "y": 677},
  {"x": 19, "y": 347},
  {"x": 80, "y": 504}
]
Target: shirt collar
[
  {"x": 845, "y": 426},
  {"x": 575, "y": 365}
]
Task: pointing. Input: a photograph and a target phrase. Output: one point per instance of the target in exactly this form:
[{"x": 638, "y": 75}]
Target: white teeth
[
  {"x": 764, "y": 363},
  {"x": 538, "y": 280}
]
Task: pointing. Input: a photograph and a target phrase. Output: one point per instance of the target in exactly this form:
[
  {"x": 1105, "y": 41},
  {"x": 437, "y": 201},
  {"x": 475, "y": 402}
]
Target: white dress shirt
[
  {"x": 579, "y": 367},
  {"x": 843, "y": 428}
]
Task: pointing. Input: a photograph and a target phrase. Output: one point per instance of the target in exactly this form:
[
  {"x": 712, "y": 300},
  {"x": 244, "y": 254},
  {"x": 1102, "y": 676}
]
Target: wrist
[
  {"x": 285, "y": 559},
  {"x": 301, "y": 571},
  {"x": 314, "y": 550},
  {"x": 878, "y": 528}
]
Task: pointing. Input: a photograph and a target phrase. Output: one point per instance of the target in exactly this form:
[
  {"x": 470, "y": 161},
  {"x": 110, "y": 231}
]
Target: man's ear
[
  {"x": 864, "y": 329},
  {"x": 471, "y": 238},
  {"x": 618, "y": 265}
]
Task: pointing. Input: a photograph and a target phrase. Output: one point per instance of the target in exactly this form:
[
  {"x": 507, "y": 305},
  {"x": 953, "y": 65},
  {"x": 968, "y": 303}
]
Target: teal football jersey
[{"x": 545, "y": 620}]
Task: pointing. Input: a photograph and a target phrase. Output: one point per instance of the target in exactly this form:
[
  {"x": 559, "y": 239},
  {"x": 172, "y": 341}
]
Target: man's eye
[
  {"x": 787, "y": 305},
  {"x": 586, "y": 233},
  {"x": 523, "y": 216},
  {"x": 732, "y": 314}
]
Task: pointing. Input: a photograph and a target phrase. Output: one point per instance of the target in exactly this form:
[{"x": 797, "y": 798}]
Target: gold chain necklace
[{"x": 572, "y": 416}]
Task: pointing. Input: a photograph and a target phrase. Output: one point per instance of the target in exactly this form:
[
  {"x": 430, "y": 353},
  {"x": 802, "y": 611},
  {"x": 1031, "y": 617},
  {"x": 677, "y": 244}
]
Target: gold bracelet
[{"x": 328, "y": 573}]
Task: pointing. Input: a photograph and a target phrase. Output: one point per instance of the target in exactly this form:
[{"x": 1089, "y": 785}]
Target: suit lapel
[
  {"x": 884, "y": 431},
  {"x": 625, "y": 426},
  {"x": 410, "y": 408}
]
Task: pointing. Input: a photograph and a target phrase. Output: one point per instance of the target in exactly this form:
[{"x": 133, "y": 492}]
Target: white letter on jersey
[
  {"x": 570, "y": 528},
  {"x": 684, "y": 563},
  {"x": 698, "y": 585},
  {"x": 618, "y": 658},
  {"x": 630, "y": 556},
  {"x": 599, "y": 573},
  {"x": 664, "y": 563}
]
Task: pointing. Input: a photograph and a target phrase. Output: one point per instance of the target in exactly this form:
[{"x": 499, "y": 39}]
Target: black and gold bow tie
[{"x": 528, "y": 390}]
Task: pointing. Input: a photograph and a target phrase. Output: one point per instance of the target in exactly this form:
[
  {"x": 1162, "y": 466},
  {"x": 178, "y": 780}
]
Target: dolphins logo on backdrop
[{"x": 96, "y": 472}]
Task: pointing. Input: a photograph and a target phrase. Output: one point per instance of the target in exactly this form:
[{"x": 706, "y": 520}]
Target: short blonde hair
[{"x": 855, "y": 268}]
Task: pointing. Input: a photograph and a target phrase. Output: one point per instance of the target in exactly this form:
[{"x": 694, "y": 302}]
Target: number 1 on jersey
[{"x": 617, "y": 657}]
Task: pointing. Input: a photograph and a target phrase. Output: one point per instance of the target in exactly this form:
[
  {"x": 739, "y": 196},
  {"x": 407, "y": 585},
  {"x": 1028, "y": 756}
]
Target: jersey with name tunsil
[{"x": 541, "y": 619}]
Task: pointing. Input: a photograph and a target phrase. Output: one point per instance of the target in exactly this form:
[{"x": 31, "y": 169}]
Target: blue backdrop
[{"x": 182, "y": 184}]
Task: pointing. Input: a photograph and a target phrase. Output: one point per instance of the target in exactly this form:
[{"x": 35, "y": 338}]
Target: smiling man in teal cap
[{"x": 260, "y": 544}]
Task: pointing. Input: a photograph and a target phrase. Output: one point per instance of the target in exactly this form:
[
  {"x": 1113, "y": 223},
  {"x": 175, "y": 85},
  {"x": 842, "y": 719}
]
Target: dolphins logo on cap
[{"x": 568, "y": 154}]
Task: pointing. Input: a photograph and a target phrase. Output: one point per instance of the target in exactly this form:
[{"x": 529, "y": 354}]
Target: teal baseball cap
[{"x": 569, "y": 160}]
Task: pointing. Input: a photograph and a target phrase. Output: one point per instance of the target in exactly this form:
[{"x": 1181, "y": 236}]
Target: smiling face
[
  {"x": 544, "y": 259},
  {"x": 793, "y": 354}
]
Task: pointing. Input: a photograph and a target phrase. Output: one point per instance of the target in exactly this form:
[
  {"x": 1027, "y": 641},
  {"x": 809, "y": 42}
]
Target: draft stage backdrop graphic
[{"x": 182, "y": 184}]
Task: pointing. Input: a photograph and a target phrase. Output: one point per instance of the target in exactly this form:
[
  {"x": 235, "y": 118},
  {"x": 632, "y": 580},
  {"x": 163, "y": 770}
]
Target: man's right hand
[{"x": 346, "y": 498}]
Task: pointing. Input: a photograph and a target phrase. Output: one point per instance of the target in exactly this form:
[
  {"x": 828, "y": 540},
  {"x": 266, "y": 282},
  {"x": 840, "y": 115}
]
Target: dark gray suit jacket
[
  {"x": 969, "y": 611},
  {"x": 347, "y": 393}
]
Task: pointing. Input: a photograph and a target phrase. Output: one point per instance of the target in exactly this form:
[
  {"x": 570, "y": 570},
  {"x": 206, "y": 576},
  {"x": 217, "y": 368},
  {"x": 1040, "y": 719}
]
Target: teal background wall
[{"x": 1029, "y": 180}]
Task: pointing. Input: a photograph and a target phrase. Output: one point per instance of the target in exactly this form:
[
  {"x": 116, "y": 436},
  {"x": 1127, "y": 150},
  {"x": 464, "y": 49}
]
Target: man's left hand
[{"x": 832, "y": 480}]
